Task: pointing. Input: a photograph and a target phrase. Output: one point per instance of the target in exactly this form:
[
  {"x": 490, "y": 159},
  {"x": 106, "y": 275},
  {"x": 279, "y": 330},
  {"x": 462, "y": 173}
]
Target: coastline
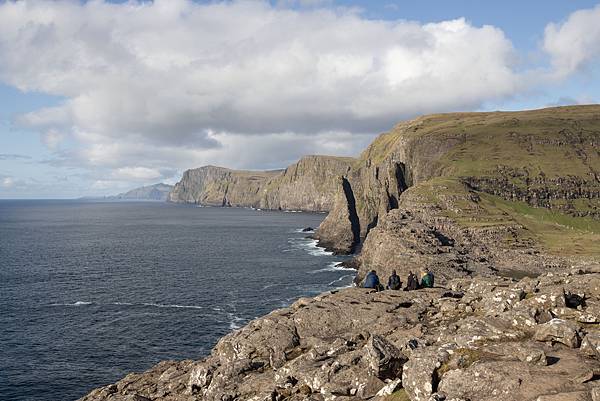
[{"x": 358, "y": 344}]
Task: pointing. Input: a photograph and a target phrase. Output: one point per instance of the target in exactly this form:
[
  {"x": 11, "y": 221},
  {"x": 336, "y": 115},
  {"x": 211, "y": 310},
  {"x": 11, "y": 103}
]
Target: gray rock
[
  {"x": 591, "y": 344},
  {"x": 419, "y": 376},
  {"x": 354, "y": 344},
  {"x": 385, "y": 360},
  {"x": 558, "y": 330}
]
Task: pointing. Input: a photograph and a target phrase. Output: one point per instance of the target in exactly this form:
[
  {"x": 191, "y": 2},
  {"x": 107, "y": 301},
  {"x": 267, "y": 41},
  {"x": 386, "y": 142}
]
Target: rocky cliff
[
  {"x": 482, "y": 199},
  {"x": 482, "y": 339},
  {"x": 156, "y": 192},
  {"x": 467, "y": 193},
  {"x": 310, "y": 185},
  {"x": 218, "y": 186}
]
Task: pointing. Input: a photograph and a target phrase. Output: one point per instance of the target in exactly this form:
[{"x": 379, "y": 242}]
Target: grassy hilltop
[
  {"x": 506, "y": 188},
  {"x": 539, "y": 169}
]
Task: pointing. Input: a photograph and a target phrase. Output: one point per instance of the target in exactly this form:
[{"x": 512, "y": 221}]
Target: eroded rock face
[
  {"x": 535, "y": 157},
  {"x": 311, "y": 184},
  {"x": 418, "y": 235},
  {"x": 441, "y": 343}
]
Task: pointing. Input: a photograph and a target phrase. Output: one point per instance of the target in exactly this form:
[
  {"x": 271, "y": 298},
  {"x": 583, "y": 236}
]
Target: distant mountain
[{"x": 156, "y": 192}]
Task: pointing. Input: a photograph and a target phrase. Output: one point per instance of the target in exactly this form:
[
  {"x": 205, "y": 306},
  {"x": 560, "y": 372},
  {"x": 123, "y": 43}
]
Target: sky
[{"x": 99, "y": 97}]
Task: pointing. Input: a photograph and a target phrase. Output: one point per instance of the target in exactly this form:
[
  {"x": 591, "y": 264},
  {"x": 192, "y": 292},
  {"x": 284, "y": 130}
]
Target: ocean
[{"x": 91, "y": 291}]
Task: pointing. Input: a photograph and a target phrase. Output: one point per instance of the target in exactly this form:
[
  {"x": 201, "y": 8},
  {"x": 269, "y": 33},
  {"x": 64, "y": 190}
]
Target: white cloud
[
  {"x": 7, "y": 182},
  {"x": 574, "y": 43},
  {"x": 173, "y": 84},
  {"x": 137, "y": 173},
  {"x": 53, "y": 138}
]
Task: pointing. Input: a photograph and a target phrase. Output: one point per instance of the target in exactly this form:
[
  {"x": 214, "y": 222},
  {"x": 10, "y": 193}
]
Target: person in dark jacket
[
  {"x": 394, "y": 282},
  {"x": 372, "y": 280},
  {"x": 411, "y": 282}
]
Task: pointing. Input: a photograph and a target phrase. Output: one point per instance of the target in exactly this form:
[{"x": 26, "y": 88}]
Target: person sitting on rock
[
  {"x": 427, "y": 279},
  {"x": 411, "y": 282},
  {"x": 372, "y": 280},
  {"x": 394, "y": 282}
]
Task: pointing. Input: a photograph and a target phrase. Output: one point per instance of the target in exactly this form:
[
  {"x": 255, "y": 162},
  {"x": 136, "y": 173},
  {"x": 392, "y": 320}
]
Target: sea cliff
[
  {"x": 309, "y": 185},
  {"x": 483, "y": 200}
]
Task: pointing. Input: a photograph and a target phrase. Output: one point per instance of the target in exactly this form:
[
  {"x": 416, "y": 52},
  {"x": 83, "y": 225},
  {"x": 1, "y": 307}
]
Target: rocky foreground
[{"x": 482, "y": 338}]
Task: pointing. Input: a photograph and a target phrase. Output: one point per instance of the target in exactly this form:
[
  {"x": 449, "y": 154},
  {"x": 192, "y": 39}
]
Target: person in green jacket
[{"x": 427, "y": 279}]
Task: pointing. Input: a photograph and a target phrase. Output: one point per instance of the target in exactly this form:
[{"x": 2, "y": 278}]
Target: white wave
[
  {"x": 266, "y": 287},
  {"x": 235, "y": 322},
  {"x": 316, "y": 250},
  {"x": 173, "y": 306},
  {"x": 339, "y": 279},
  {"x": 78, "y": 303},
  {"x": 333, "y": 267},
  {"x": 309, "y": 245},
  {"x": 84, "y": 303},
  {"x": 301, "y": 231}
]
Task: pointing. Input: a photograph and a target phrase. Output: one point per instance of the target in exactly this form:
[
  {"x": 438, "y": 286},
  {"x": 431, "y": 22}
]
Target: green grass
[
  {"x": 462, "y": 358},
  {"x": 399, "y": 395},
  {"x": 547, "y": 140},
  {"x": 555, "y": 232},
  {"x": 380, "y": 148}
]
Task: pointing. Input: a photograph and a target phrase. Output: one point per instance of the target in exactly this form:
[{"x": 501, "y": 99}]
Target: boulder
[
  {"x": 558, "y": 331},
  {"x": 419, "y": 376},
  {"x": 530, "y": 355},
  {"x": 591, "y": 344},
  {"x": 385, "y": 360},
  {"x": 484, "y": 381}
]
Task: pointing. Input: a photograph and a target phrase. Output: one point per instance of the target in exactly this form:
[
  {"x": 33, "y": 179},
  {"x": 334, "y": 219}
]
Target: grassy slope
[{"x": 557, "y": 142}]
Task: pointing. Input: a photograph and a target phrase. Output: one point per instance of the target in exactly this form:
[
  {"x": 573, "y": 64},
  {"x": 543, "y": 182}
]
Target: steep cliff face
[
  {"x": 156, "y": 192},
  {"x": 310, "y": 184},
  {"x": 546, "y": 158},
  {"x": 218, "y": 186}
]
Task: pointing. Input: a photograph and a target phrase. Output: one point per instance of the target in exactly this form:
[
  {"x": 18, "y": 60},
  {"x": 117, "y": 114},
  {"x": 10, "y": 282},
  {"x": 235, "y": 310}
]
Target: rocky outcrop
[
  {"x": 309, "y": 185},
  {"x": 451, "y": 234},
  {"x": 156, "y": 192},
  {"x": 559, "y": 193},
  {"x": 546, "y": 158},
  {"x": 218, "y": 186},
  {"x": 477, "y": 339}
]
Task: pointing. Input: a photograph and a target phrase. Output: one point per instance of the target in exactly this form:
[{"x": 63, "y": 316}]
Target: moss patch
[{"x": 399, "y": 395}]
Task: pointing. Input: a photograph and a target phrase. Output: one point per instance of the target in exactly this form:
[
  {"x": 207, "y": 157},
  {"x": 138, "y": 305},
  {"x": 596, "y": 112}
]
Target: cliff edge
[
  {"x": 474, "y": 193},
  {"x": 309, "y": 185},
  {"x": 504, "y": 207},
  {"x": 484, "y": 339}
]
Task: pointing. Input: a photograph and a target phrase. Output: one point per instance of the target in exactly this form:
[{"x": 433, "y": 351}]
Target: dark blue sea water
[{"x": 91, "y": 291}]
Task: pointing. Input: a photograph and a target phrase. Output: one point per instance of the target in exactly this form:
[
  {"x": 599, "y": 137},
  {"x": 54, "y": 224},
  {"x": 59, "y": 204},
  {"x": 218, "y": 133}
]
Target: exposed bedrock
[
  {"x": 477, "y": 339},
  {"x": 310, "y": 184},
  {"x": 546, "y": 158}
]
